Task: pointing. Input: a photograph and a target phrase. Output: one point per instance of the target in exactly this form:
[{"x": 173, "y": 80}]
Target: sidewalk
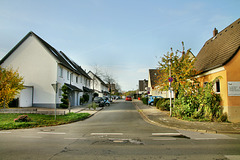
[
  {"x": 162, "y": 118},
  {"x": 51, "y": 111}
]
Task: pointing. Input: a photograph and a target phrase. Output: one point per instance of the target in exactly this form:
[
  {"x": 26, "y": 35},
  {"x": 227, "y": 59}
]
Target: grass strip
[{"x": 38, "y": 120}]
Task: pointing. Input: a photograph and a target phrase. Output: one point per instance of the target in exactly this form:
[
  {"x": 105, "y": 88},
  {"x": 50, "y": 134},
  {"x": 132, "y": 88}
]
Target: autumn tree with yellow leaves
[{"x": 11, "y": 83}]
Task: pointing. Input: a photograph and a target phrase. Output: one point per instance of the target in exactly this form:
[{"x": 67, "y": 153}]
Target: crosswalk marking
[
  {"x": 54, "y": 133},
  {"x": 166, "y": 134},
  {"x": 106, "y": 134}
]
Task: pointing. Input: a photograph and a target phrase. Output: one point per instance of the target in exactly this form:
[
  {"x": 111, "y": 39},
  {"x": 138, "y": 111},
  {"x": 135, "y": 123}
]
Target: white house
[
  {"x": 98, "y": 85},
  {"x": 42, "y": 67},
  {"x": 153, "y": 89}
]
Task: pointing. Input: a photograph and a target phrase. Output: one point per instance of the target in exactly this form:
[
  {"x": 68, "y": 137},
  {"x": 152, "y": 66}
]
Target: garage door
[{"x": 26, "y": 99}]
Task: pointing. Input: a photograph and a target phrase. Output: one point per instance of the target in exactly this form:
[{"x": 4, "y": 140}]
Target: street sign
[{"x": 170, "y": 79}]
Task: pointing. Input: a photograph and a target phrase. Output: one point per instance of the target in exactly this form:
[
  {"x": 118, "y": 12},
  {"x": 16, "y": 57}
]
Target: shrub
[
  {"x": 64, "y": 100},
  {"x": 155, "y": 101},
  {"x": 163, "y": 104},
  {"x": 85, "y": 98},
  {"x": 145, "y": 100},
  {"x": 92, "y": 105},
  {"x": 22, "y": 118}
]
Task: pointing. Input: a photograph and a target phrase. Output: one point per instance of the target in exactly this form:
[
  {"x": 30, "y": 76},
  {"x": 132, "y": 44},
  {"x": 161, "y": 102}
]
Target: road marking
[
  {"x": 54, "y": 133},
  {"x": 31, "y": 137},
  {"x": 204, "y": 138},
  {"x": 106, "y": 134},
  {"x": 166, "y": 134},
  {"x": 232, "y": 157},
  {"x": 75, "y": 138},
  {"x": 5, "y": 132},
  {"x": 165, "y": 139}
]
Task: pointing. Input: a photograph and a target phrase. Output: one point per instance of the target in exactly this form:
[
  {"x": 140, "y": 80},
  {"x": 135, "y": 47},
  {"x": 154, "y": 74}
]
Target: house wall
[
  {"x": 229, "y": 73},
  {"x": 233, "y": 75},
  {"x": 38, "y": 68},
  {"x": 223, "y": 86}
]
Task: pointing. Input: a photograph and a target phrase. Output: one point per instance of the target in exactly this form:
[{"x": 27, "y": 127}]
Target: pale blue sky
[{"x": 124, "y": 37}]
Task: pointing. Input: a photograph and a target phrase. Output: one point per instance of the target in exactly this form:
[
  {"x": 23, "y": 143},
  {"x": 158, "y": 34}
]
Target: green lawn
[{"x": 37, "y": 120}]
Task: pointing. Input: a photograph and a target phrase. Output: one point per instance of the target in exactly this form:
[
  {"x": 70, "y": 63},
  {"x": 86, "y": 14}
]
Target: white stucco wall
[{"x": 37, "y": 66}]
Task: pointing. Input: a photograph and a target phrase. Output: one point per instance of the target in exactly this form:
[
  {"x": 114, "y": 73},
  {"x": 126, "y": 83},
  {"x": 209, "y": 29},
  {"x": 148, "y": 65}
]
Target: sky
[{"x": 124, "y": 38}]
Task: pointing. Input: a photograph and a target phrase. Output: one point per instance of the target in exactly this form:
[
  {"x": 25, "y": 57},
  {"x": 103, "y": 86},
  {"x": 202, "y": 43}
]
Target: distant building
[
  {"x": 143, "y": 85},
  {"x": 153, "y": 86},
  {"x": 98, "y": 85},
  {"x": 220, "y": 56}
]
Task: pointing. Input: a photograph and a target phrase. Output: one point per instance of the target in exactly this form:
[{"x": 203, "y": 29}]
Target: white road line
[
  {"x": 166, "y": 139},
  {"x": 75, "y": 138},
  {"x": 232, "y": 157},
  {"x": 54, "y": 133},
  {"x": 204, "y": 138},
  {"x": 31, "y": 137},
  {"x": 166, "y": 134},
  {"x": 5, "y": 132},
  {"x": 106, "y": 134}
]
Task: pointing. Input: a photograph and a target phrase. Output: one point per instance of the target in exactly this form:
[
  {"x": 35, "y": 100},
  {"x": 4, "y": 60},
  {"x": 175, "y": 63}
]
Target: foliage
[
  {"x": 95, "y": 95},
  {"x": 155, "y": 101},
  {"x": 145, "y": 100},
  {"x": 199, "y": 103},
  {"x": 64, "y": 100},
  {"x": 11, "y": 83},
  {"x": 22, "y": 118},
  {"x": 182, "y": 70},
  {"x": 163, "y": 104},
  {"x": 85, "y": 98},
  {"x": 37, "y": 120},
  {"x": 92, "y": 105},
  {"x": 191, "y": 101}
]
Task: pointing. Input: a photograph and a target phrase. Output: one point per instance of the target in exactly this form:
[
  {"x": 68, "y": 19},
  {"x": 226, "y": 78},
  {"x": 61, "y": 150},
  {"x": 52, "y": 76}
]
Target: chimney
[{"x": 215, "y": 32}]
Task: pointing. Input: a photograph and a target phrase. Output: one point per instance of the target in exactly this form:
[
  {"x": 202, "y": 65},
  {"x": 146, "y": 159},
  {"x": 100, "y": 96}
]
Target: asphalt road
[{"x": 117, "y": 132}]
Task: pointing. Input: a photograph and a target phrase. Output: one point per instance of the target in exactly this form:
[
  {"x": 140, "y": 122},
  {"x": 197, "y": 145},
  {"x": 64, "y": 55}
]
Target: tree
[
  {"x": 64, "y": 100},
  {"x": 11, "y": 83},
  {"x": 182, "y": 70}
]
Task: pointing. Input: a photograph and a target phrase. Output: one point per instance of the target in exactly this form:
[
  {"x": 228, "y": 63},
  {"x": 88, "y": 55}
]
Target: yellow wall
[
  {"x": 233, "y": 74},
  {"x": 231, "y": 104},
  {"x": 223, "y": 85}
]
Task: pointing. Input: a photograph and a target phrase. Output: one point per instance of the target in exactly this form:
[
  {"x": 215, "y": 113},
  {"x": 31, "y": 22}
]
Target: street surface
[{"x": 117, "y": 132}]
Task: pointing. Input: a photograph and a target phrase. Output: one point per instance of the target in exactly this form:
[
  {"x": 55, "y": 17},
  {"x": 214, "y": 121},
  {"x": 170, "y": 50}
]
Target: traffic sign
[{"x": 170, "y": 79}]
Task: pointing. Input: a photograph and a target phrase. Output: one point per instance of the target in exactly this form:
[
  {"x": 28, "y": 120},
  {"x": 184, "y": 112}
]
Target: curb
[{"x": 145, "y": 118}]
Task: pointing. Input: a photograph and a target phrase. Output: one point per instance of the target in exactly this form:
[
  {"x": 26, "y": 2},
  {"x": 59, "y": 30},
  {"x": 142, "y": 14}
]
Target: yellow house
[{"x": 220, "y": 56}]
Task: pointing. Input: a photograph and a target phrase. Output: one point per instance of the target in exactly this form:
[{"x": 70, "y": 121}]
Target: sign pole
[{"x": 170, "y": 95}]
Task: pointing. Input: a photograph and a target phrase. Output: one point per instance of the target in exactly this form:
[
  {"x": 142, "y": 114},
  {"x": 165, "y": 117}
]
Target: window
[
  {"x": 217, "y": 86},
  {"x": 60, "y": 92},
  {"x": 81, "y": 78},
  {"x": 204, "y": 84},
  {"x": 71, "y": 77},
  {"x": 68, "y": 75},
  {"x": 61, "y": 72},
  {"x": 76, "y": 79}
]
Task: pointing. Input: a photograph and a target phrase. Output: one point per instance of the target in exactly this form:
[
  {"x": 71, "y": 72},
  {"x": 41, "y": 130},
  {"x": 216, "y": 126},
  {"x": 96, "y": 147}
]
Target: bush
[
  {"x": 92, "y": 105},
  {"x": 145, "y": 100},
  {"x": 155, "y": 101},
  {"x": 163, "y": 104},
  {"x": 85, "y": 98},
  {"x": 22, "y": 118}
]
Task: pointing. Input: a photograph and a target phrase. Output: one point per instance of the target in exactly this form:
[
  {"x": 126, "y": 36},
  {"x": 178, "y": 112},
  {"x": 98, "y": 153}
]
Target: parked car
[
  {"x": 128, "y": 98},
  {"x": 151, "y": 99},
  {"x": 99, "y": 101},
  {"x": 106, "y": 101}
]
